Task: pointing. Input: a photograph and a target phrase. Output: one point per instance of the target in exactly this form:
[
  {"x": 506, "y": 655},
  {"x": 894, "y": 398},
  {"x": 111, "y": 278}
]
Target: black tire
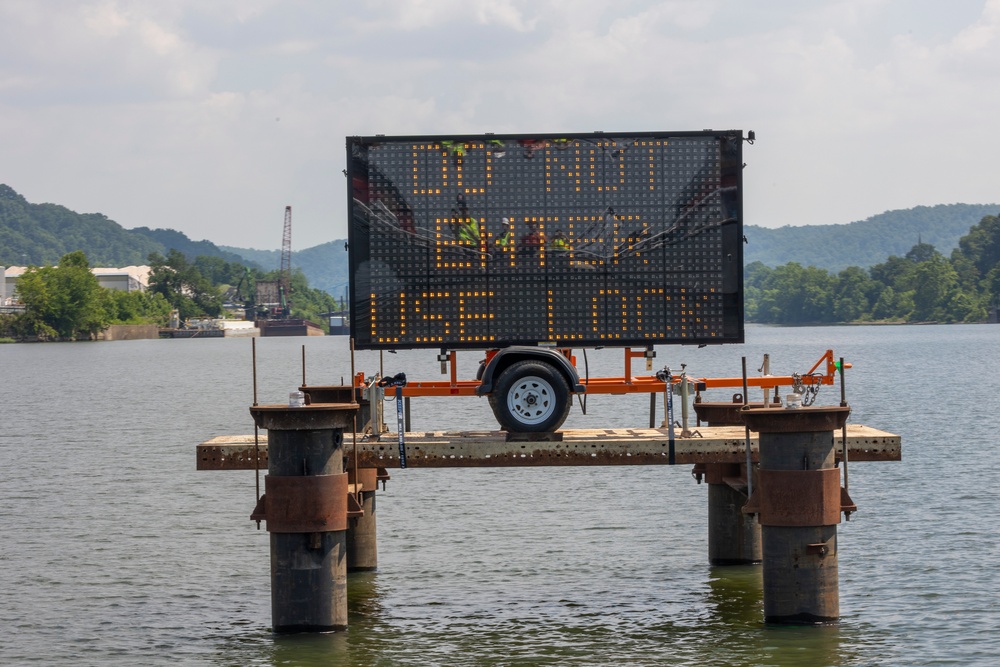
[{"x": 530, "y": 397}]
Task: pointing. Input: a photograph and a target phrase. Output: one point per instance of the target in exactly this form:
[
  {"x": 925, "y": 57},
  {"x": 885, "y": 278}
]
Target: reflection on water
[{"x": 736, "y": 595}]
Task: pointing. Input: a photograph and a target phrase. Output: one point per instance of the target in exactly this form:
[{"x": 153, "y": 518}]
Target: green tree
[
  {"x": 63, "y": 301},
  {"x": 964, "y": 307},
  {"x": 853, "y": 295},
  {"x": 991, "y": 286},
  {"x": 935, "y": 283},
  {"x": 982, "y": 244},
  {"x": 895, "y": 272},
  {"x": 887, "y": 306},
  {"x": 922, "y": 252},
  {"x": 183, "y": 286},
  {"x": 755, "y": 275},
  {"x": 218, "y": 271},
  {"x": 792, "y": 294},
  {"x": 136, "y": 307},
  {"x": 965, "y": 268}
]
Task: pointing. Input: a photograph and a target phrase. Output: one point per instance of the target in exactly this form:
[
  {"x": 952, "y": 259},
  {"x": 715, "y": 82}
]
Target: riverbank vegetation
[
  {"x": 66, "y": 302},
  {"x": 204, "y": 286},
  {"x": 922, "y": 286}
]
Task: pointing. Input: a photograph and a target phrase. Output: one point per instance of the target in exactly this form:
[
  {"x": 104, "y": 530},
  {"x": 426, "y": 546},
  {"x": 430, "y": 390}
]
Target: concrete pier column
[
  {"x": 362, "y": 546},
  {"x": 798, "y": 501},
  {"x": 733, "y": 537},
  {"x": 305, "y": 505}
]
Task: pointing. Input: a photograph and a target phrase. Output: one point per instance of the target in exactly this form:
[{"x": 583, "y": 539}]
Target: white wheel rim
[{"x": 532, "y": 400}]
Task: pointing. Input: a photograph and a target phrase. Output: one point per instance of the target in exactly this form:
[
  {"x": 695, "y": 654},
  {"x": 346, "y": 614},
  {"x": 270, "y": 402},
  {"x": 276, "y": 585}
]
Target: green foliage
[
  {"x": 324, "y": 265},
  {"x": 853, "y": 295},
  {"x": 309, "y": 303},
  {"x": 182, "y": 284},
  {"x": 136, "y": 307},
  {"x": 982, "y": 244},
  {"x": 174, "y": 240},
  {"x": 63, "y": 301},
  {"x": 8, "y": 323},
  {"x": 935, "y": 282},
  {"x": 922, "y": 286},
  {"x": 866, "y": 242},
  {"x": 39, "y": 234},
  {"x": 791, "y": 294}
]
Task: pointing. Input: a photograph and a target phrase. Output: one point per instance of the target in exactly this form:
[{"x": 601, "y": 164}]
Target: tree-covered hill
[
  {"x": 174, "y": 240},
  {"x": 40, "y": 234},
  {"x": 923, "y": 285},
  {"x": 325, "y": 265},
  {"x": 867, "y": 242}
]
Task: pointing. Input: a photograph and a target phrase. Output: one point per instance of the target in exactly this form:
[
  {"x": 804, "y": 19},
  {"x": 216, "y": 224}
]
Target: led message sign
[{"x": 573, "y": 240}]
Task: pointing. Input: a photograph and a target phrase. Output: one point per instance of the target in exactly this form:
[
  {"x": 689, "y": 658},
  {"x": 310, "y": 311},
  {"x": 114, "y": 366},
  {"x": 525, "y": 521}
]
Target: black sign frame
[{"x": 615, "y": 240}]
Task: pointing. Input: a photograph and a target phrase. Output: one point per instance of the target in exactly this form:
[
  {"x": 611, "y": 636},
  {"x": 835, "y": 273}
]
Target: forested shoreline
[
  {"x": 195, "y": 279},
  {"x": 65, "y": 302},
  {"x": 922, "y": 286}
]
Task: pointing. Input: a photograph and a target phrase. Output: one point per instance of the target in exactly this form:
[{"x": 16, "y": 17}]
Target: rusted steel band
[
  {"x": 367, "y": 477},
  {"x": 313, "y": 504},
  {"x": 715, "y": 473},
  {"x": 799, "y": 497}
]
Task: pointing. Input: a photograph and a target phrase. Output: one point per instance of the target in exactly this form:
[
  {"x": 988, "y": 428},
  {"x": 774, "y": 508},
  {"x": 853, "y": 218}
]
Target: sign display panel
[{"x": 573, "y": 240}]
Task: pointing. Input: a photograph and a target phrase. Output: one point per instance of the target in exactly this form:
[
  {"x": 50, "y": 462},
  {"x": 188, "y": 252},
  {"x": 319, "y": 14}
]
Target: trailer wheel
[{"x": 530, "y": 396}]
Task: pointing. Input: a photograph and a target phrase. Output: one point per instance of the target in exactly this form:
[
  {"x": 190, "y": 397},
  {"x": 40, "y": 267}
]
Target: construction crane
[
  {"x": 285, "y": 277},
  {"x": 273, "y": 300}
]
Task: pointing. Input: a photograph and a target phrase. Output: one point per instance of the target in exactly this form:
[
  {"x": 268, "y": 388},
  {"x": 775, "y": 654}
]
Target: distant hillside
[
  {"x": 325, "y": 265},
  {"x": 175, "y": 240},
  {"x": 40, "y": 234},
  {"x": 867, "y": 242},
  {"x": 831, "y": 247}
]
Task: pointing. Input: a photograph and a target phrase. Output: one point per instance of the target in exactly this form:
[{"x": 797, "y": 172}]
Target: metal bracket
[{"x": 821, "y": 549}]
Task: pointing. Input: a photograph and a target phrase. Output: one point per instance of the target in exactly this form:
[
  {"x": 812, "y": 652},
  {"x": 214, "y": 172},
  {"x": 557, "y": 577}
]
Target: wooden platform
[{"x": 576, "y": 447}]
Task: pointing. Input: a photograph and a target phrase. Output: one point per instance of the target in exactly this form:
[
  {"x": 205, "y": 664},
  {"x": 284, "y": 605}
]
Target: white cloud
[{"x": 210, "y": 117}]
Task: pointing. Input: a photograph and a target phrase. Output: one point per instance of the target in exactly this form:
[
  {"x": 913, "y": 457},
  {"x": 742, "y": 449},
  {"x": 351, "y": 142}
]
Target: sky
[{"x": 210, "y": 116}]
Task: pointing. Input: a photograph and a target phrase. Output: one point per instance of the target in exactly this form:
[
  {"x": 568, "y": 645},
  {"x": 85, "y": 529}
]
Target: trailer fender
[{"x": 511, "y": 355}]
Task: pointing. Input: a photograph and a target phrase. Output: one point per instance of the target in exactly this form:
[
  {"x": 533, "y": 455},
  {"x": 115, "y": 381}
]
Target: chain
[{"x": 807, "y": 392}]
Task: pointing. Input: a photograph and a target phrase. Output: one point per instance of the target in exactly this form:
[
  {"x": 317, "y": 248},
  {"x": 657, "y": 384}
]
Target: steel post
[
  {"x": 305, "y": 505},
  {"x": 798, "y": 500}
]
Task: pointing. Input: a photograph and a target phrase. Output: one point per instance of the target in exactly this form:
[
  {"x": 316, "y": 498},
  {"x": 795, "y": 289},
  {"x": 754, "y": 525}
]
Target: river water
[{"x": 115, "y": 550}]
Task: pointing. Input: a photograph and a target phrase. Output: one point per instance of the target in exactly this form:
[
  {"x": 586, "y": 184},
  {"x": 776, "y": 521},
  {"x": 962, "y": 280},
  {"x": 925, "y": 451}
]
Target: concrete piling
[
  {"x": 798, "y": 502},
  {"x": 362, "y": 546},
  {"x": 305, "y": 505},
  {"x": 362, "y": 551},
  {"x": 734, "y": 538}
]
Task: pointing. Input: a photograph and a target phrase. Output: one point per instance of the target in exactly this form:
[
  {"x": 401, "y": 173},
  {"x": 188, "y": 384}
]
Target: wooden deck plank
[{"x": 624, "y": 446}]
